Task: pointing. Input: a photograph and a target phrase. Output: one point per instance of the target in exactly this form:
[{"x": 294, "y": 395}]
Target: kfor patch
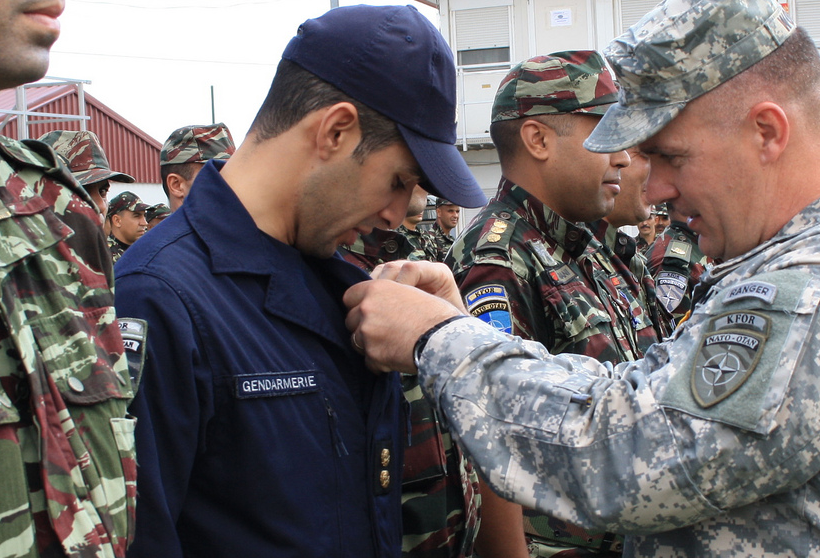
[
  {"x": 491, "y": 304},
  {"x": 728, "y": 355}
]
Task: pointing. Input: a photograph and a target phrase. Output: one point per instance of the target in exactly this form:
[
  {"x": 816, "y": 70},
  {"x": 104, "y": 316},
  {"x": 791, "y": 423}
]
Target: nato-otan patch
[
  {"x": 670, "y": 288},
  {"x": 491, "y": 304},
  {"x": 725, "y": 360}
]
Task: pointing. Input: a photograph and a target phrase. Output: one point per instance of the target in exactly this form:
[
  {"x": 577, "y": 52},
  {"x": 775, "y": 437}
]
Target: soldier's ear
[
  {"x": 537, "y": 139},
  {"x": 176, "y": 185}
]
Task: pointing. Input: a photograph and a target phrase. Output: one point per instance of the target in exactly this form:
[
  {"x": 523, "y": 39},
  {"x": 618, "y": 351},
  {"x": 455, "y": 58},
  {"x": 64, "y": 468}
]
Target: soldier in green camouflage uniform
[
  {"x": 67, "y": 465},
  {"x": 709, "y": 445},
  {"x": 420, "y": 239},
  {"x": 87, "y": 162},
  {"x": 443, "y": 226},
  {"x": 525, "y": 266},
  {"x": 676, "y": 263},
  {"x": 634, "y": 280},
  {"x": 126, "y": 213},
  {"x": 184, "y": 154}
]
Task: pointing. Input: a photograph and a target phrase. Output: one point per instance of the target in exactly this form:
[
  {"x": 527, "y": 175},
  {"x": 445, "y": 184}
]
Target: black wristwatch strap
[{"x": 422, "y": 341}]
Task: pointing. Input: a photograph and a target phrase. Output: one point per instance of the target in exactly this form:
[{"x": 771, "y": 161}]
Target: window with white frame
[{"x": 482, "y": 36}]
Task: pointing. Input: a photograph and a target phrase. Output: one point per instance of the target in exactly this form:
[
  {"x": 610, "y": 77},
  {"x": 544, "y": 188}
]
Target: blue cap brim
[
  {"x": 623, "y": 127},
  {"x": 447, "y": 172}
]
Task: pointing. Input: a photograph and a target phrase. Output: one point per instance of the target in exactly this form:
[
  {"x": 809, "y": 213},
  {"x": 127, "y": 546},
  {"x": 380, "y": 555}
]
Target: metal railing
[{"x": 26, "y": 116}]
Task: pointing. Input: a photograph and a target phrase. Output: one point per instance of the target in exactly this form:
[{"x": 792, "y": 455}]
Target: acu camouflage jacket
[{"x": 67, "y": 465}]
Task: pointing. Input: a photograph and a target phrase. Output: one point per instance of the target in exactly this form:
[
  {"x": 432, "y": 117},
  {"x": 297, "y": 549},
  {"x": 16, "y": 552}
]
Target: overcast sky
[{"x": 154, "y": 61}]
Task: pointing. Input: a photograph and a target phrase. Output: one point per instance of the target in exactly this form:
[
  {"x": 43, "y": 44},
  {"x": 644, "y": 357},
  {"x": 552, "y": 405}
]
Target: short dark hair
[
  {"x": 185, "y": 170},
  {"x": 506, "y": 133},
  {"x": 790, "y": 72},
  {"x": 295, "y": 93}
]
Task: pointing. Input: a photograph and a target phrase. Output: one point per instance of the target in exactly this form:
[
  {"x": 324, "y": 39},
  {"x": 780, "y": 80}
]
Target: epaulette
[
  {"x": 497, "y": 236},
  {"x": 679, "y": 250}
]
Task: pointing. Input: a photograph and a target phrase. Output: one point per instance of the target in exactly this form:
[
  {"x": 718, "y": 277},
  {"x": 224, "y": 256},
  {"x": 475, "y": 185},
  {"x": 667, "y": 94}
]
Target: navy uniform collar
[{"x": 236, "y": 245}]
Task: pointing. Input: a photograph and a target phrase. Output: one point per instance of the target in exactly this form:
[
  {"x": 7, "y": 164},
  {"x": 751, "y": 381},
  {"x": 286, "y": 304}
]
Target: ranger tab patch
[
  {"x": 752, "y": 289},
  {"x": 725, "y": 361},
  {"x": 491, "y": 304}
]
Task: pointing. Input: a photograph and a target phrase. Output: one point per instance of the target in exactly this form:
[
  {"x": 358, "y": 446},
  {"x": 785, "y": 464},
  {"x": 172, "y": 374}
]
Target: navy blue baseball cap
[{"x": 392, "y": 59}]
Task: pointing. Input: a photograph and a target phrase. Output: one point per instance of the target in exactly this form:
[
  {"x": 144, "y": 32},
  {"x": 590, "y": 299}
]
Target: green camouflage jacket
[
  {"x": 378, "y": 247},
  {"x": 67, "y": 464},
  {"x": 634, "y": 282},
  {"x": 676, "y": 263},
  {"x": 116, "y": 248},
  {"x": 421, "y": 240},
  {"x": 529, "y": 272},
  {"x": 443, "y": 242}
]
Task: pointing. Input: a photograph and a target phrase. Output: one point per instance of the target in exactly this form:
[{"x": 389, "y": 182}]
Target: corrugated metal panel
[{"x": 128, "y": 148}]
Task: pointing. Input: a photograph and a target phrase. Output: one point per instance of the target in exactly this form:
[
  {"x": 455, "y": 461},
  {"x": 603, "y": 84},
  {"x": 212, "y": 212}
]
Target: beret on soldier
[
  {"x": 560, "y": 83},
  {"x": 84, "y": 156},
  {"x": 197, "y": 144},
  {"x": 676, "y": 53}
]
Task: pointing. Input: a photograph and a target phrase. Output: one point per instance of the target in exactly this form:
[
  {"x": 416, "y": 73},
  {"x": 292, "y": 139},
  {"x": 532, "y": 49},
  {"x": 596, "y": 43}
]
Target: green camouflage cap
[
  {"x": 560, "y": 83},
  {"x": 126, "y": 200},
  {"x": 660, "y": 209},
  {"x": 159, "y": 211},
  {"x": 443, "y": 201},
  {"x": 84, "y": 156},
  {"x": 197, "y": 144},
  {"x": 676, "y": 53}
]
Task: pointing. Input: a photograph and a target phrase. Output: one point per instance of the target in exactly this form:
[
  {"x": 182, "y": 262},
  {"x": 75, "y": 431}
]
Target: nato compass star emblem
[{"x": 725, "y": 361}]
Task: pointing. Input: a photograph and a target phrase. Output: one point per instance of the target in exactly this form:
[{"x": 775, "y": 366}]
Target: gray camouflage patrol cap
[
  {"x": 126, "y": 200},
  {"x": 676, "y": 53},
  {"x": 84, "y": 156},
  {"x": 197, "y": 144},
  {"x": 561, "y": 83}
]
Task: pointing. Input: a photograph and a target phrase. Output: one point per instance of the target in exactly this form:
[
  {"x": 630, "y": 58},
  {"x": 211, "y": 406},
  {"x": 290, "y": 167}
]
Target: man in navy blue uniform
[{"x": 260, "y": 431}]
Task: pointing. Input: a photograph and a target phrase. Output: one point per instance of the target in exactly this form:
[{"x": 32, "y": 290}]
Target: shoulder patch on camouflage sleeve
[
  {"x": 670, "y": 288},
  {"x": 491, "y": 304}
]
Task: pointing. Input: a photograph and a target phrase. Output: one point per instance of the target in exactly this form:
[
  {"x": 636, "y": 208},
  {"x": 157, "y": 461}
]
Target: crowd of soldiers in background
[{"x": 663, "y": 259}]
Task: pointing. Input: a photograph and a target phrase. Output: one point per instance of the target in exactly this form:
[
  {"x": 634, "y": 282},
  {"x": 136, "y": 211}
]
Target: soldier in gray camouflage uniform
[
  {"x": 184, "y": 154},
  {"x": 710, "y": 445},
  {"x": 87, "y": 162},
  {"x": 67, "y": 466}
]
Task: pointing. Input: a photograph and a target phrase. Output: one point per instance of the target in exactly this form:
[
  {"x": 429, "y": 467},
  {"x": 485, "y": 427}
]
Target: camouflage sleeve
[
  {"x": 721, "y": 416},
  {"x": 496, "y": 295}
]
